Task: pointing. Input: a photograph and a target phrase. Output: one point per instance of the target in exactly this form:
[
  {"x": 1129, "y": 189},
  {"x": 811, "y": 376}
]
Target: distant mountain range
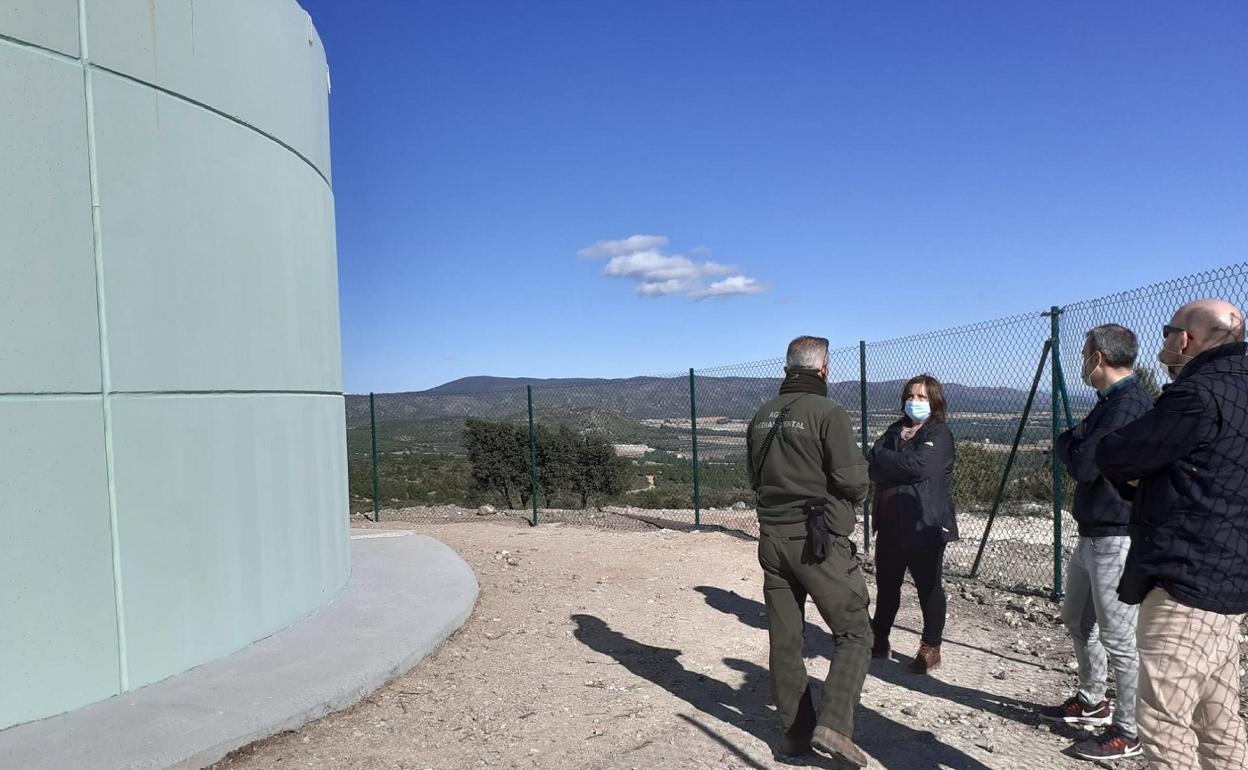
[{"x": 656, "y": 397}]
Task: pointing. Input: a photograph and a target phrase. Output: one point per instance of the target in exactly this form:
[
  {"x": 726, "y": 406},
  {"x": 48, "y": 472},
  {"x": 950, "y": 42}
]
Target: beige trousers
[{"x": 1188, "y": 701}]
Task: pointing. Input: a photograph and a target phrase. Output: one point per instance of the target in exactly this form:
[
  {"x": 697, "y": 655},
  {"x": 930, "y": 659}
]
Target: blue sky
[{"x": 853, "y": 170}]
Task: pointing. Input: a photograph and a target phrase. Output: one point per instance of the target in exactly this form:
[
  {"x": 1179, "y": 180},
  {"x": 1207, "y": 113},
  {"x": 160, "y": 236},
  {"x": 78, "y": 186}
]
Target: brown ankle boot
[
  {"x": 833, "y": 745},
  {"x": 927, "y": 659}
]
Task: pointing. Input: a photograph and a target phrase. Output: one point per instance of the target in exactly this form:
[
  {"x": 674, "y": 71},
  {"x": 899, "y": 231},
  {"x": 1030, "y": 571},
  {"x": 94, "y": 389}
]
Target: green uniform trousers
[{"x": 837, "y": 588}]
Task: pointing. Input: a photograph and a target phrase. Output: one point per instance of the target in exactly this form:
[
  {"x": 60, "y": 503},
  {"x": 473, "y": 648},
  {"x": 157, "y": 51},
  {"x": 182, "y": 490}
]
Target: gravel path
[{"x": 647, "y": 649}]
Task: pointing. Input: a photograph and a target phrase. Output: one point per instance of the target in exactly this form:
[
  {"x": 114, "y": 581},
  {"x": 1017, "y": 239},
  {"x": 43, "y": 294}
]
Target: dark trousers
[
  {"x": 926, "y": 565},
  {"x": 839, "y": 593}
]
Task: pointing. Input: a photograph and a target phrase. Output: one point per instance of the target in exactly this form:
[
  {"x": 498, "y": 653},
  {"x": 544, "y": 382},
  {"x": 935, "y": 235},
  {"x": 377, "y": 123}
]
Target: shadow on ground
[
  {"x": 753, "y": 613},
  {"x": 893, "y": 745}
]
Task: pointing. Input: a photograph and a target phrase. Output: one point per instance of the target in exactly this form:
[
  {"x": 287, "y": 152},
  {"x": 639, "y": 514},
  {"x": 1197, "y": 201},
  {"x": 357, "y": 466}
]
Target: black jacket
[
  {"x": 914, "y": 486},
  {"x": 1099, "y": 509},
  {"x": 813, "y": 455},
  {"x": 1189, "y": 520}
]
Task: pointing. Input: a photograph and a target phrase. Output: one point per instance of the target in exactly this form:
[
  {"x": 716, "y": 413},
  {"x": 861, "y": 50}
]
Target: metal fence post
[
  {"x": 862, "y": 392},
  {"x": 1009, "y": 461},
  {"x": 372, "y": 427},
  {"x": 1061, "y": 380},
  {"x": 693, "y": 431},
  {"x": 532, "y": 456},
  {"x": 1055, "y": 423}
]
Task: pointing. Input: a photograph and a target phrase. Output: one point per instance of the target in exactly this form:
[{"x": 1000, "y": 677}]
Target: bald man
[{"x": 1185, "y": 465}]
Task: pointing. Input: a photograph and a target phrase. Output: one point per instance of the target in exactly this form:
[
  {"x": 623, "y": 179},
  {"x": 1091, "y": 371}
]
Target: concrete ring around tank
[{"x": 407, "y": 594}]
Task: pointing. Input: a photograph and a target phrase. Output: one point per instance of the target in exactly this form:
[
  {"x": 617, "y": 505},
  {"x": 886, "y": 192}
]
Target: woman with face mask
[{"x": 912, "y": 467}]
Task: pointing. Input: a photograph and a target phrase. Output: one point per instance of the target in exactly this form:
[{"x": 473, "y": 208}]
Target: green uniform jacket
[{"x": 812, "y": 455}]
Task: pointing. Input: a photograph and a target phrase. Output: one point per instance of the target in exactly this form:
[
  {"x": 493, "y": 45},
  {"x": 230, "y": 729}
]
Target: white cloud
[
  {"x": 732, "y": 286},
  {"x": 651, "y": 266},
  {"x": 714, "y": 268},
  {"x": 639, "y": 258},
  {"x": 629, "y": 245},
  {"x": 662, "y": 288}
]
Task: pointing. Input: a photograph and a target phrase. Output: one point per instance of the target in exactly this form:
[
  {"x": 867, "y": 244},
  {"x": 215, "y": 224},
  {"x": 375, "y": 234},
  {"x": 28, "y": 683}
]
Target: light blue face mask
[{"x": 918, "y": 410}]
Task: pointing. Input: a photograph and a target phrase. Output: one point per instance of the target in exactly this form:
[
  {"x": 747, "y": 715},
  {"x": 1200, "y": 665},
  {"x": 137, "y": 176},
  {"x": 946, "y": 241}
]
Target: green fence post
[
  {"x": 862, "y": 392},
  {"x": 1009, "y": 462},
  {"x": 372, "y": 427},
  {"x": 693, "y": 432},
  {"x": 1055, "y": 313},
  {"x": 532, "y": 456},
  {"x": 1061, "y": 379}
]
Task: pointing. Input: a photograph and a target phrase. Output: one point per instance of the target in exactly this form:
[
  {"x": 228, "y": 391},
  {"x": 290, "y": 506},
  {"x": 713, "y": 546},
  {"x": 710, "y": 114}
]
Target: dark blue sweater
[{"x": 1099, "y": 509}]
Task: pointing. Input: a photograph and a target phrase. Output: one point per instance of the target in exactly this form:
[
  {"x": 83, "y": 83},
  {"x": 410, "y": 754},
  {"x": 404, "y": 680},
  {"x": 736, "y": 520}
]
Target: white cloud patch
[
  {"x": 629, "y": 245},
  {"x": 639, "y": 258},
  {"x": 662, "y": 288},
  {"x": 732, "y": 286}
]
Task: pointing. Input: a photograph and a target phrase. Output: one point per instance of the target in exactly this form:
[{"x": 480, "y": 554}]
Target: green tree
[
  {"x": 499, "y": 455},
  {"x": 1148, "y": 381},
  {"x": 578, "y": 467},
  {"x": 599, "y": 472},
  {"x": 976, "y": 475},
  {"x": 556, "y": 462}
]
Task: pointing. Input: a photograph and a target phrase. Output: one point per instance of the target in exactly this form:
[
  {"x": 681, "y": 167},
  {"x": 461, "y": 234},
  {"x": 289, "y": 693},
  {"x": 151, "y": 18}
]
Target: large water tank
[{"x": 172, "y": 448}]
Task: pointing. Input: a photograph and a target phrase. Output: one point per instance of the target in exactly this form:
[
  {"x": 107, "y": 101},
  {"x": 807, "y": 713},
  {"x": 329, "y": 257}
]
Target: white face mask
[
  {"x": 918, "y": 410},
  {"x": 1087, "y": 376},
  {"x": 1173, "y": 369}
]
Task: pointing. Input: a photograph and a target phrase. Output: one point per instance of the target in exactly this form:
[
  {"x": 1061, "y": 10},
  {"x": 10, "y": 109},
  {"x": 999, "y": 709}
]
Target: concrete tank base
[{"x": 407, "y": 594}]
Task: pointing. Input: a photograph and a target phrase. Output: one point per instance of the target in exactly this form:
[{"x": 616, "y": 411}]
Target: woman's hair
[{"x": 935, "y": 395}]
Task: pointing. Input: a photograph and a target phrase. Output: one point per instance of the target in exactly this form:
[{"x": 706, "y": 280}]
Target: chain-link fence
[
  {"x": 670, "y": 450},
  {"x": 1001, "y": 415}
]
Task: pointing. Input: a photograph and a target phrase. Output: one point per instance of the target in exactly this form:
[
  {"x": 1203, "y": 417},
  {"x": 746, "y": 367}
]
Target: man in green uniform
[{"x": 808, "y": 475}]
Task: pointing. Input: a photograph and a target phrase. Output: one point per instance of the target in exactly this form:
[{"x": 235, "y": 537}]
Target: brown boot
[
  {"x": 881, "y": 650},
  {"x": 831, "y": 744},
  {"x": 927, "y": 659}
]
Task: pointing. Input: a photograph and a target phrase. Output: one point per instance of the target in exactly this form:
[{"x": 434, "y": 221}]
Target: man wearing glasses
[
  {"x": 1101, "y": 626},
  {"x": 1185, "y": 464}
]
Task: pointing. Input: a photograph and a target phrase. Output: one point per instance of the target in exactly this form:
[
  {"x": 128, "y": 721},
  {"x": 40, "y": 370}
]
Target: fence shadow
[
  {"x": 985, "y": 650},
  {"x": 682, "y": 525}
]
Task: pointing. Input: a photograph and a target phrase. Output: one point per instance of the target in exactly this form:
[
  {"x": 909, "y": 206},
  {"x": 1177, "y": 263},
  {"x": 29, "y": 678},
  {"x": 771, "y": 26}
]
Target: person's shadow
[
  {"x": 745, "y": 709},
  {"x": 891, "y": 743},
  {"x": 753, "y": 613}
]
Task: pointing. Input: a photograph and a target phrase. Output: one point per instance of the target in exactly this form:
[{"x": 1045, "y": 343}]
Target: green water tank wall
[{"x": 172, "y": 441}]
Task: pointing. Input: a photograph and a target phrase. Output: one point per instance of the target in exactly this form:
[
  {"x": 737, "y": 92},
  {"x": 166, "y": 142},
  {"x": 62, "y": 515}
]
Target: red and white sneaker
[
  {"x": 1113, "y": 743},
  {"x": 1075, "y": 712}
]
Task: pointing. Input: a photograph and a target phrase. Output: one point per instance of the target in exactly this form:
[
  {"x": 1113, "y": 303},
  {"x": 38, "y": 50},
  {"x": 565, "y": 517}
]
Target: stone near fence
[
  {"x": 508, "y": 558},
  {"x": 1020, "y": 605},
  {"x": 487, "y": 510},
  {"x": 740, "y": 506}
]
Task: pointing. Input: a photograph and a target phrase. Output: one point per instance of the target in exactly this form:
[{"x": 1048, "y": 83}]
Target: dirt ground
[
  {"x": 1018, "y": 556},
  {"x": 648, "y": 649}
]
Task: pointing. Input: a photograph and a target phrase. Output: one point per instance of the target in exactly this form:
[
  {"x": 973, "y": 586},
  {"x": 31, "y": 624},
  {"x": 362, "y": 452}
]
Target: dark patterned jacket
[{"x": 1189, "y": 518}]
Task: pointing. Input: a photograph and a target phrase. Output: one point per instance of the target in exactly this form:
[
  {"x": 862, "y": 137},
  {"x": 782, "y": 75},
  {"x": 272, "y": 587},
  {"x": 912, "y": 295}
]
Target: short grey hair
[
  {"x": 1116, "y": 343},
  {"x": 807, "y": 353}
]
